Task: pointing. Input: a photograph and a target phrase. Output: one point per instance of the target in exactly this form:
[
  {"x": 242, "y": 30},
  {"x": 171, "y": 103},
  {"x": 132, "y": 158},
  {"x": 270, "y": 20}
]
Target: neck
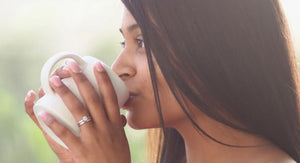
[{"x": 201, "y": 149}]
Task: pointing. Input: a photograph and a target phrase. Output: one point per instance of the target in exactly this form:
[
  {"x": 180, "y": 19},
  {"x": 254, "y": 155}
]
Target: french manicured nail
[
  {"x": 74, "y": 67},
  {"x": 66, "y": 68},
  {"x": 55, "y": 80},
  {"x": 29, "y": 94},
  {"x": 47, "y": 118},
  {"x": 99, "y": 67},
  {"x": 67, "y": 65}
]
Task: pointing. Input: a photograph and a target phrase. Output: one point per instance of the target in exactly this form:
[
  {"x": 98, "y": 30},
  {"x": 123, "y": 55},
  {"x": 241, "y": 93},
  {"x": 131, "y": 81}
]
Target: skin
[
  {"x": 132, "y": 66},
  {"x": 105, "y": 137}
]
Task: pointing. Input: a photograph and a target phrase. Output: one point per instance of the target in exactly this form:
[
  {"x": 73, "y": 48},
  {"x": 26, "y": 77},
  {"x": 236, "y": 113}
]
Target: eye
[
  {"x": 122, "y": 44},
  {"x": 140, "y": 43}
]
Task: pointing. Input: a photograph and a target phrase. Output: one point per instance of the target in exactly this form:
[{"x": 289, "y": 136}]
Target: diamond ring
[{"x": 84, "y": 120}]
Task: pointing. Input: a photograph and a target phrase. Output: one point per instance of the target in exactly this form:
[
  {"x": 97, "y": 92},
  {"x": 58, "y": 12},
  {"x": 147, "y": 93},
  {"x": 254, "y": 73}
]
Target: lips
[{"x": 132, "y": 96}]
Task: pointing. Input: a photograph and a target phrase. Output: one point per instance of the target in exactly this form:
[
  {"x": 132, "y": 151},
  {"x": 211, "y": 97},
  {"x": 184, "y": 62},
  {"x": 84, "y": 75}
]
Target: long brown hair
[{"x": 231, "y": 59}]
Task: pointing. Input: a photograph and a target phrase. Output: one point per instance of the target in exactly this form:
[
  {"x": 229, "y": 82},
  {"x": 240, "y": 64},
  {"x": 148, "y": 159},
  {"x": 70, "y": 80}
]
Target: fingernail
[
  {"x": 29, "y": 93},
  {"x": 47, "y": 118},
  {"x": 99, "y": 66},
  {"x": 55, "y": 80},
  {"x": 66, "y": 68},
  {"x": 74, "y": 67}
]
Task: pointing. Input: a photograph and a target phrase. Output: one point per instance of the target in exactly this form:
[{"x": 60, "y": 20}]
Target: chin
[
  {"x": 139, "y": 122},
  {"x": 133, "y": 121},
  {"x": 134, "y": 125}
]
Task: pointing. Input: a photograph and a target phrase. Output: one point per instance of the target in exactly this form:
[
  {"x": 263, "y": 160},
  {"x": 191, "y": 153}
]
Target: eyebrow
[{"x": 131, "y": 28}]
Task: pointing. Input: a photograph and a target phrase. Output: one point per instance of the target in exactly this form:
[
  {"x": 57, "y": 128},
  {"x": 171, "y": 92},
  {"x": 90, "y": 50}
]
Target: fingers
[
  {"x": 72, "y": 141},
  {"x": 41, "y": 93},
  {"x": 29, "y": 102},
  {"x": 62, "y": 72},
  {"x": 89, "y": 94},
  {"x": 123, "y": 120},
  {"x": 100, "y": 111},
  {"x": 71, "y": 101},
  {"x": 108, "y": 93}
]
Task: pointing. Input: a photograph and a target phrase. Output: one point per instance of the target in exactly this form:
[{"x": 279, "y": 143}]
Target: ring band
[{"x": 84, "y": 120}]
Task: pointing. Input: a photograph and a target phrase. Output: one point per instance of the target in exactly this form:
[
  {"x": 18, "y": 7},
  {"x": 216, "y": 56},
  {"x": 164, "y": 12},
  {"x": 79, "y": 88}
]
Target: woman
[{"x": 218, "y": 77}]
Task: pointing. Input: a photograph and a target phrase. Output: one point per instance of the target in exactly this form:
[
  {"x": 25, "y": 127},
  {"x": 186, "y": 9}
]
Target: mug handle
[{"x": 48, "y": 66}]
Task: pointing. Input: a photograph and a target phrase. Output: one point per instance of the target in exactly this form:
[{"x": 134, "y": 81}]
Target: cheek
[
  {"x": 171, "y": 109},
  {"x": 144, "y": 113}
]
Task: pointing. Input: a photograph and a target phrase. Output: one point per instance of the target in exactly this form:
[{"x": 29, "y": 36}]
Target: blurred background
[{"x": 33, "y": 30}]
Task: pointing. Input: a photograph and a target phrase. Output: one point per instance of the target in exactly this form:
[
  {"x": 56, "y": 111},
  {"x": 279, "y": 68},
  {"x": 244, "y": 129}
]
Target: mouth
[{"x": 132, "y": 97}]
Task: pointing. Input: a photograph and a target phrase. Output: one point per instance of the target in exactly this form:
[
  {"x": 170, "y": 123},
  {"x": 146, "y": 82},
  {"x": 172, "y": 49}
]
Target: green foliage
[{"x": 19, "y": 142}]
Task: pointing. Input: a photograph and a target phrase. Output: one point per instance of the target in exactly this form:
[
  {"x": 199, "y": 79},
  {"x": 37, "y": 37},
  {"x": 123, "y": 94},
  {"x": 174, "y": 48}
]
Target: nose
[{"x": 124, "y": 67}]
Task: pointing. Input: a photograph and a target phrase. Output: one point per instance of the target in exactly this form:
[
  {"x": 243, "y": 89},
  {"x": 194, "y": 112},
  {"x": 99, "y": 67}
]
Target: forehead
[{"x": 128, "y": 19}]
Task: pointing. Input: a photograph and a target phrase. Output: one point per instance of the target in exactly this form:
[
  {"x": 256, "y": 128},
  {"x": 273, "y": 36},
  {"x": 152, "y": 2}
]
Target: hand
[
  {"x": 103, "y": 139},
  {"x": 63, "y": 154}
]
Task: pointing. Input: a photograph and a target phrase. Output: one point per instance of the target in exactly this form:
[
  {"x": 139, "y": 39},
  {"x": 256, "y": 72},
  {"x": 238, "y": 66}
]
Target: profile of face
[{"x": 132, "y": 67}]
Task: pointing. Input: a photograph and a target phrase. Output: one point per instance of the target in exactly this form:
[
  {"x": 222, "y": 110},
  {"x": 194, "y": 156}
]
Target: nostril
[{"x": 124, "y": 76}]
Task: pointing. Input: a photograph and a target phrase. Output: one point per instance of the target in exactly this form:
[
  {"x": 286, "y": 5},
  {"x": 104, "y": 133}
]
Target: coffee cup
[{"x": 52, "y": 103}]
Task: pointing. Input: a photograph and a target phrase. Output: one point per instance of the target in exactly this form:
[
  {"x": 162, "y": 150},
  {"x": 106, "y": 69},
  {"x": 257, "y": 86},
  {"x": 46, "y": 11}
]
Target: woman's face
[{"x": 131, "y": 65}]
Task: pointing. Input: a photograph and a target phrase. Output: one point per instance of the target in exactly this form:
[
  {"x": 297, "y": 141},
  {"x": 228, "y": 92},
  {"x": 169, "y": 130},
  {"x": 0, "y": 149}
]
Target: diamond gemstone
[{"x": 85, "y": 118}]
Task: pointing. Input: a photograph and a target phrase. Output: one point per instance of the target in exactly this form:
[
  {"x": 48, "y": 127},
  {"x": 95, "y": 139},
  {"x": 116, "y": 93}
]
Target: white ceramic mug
[{"x": 53, "y": 104}]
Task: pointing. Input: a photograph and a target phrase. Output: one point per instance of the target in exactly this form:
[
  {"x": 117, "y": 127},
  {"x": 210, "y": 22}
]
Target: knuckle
[
  {"x": 94, "y": 99},
  {"x": 77, "y": 104},
  {"x": 63, "y": 90},
  {"x": 29, "y": 111},
  {"x": 81, "y": 78},
  {"x": 106, "y": 85},
  {"x": 82, "y": 112},
  {"x": 80, "y": 152},
  {"x": 57, "y": 71},
  {"x": 109, "y": 92},
  {"x": 26, "y": 104},
  {"x": 62, "y": 72},
  {"x": 104, "y": 129},
  {"x": 77, "y": 108},
  {"x": 60, "y": 131},
  {"x": 28, "y": 108},
  {"x": 104, "y": 78}
]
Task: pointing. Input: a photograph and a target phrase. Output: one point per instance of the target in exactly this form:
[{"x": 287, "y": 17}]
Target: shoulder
[
  {"x": 281, "y": 157},
  {"x": 277, "y": 155}
]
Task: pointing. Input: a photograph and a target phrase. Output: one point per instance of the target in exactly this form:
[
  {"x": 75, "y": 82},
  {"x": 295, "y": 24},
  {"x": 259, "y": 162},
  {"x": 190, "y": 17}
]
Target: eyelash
[
  {"x": 140, "y": 42},
  {"x": 122, "y": 44}
]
